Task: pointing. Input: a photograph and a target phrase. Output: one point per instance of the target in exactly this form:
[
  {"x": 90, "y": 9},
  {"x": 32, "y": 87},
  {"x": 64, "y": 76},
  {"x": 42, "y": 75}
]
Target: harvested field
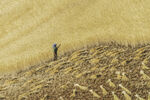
[
  {"x": 108, "y": 72},
  {"x": 105, "y": 51}
]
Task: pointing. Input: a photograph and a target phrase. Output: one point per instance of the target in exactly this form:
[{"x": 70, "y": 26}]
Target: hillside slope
[{"x": 104, "y": 71}]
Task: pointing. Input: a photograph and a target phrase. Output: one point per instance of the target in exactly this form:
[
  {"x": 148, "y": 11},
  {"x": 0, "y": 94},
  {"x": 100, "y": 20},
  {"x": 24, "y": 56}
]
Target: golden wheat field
[
  {"x": 104, "y": 53},
  {"x": 28, "y": 28}
]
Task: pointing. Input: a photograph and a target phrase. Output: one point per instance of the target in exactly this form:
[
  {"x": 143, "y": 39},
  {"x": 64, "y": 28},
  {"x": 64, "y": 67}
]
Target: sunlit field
[{"x": 28, "y": 28}]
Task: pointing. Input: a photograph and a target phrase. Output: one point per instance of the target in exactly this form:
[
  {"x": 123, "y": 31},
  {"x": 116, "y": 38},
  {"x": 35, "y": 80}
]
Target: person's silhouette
[{"x": 55, "y": 49}]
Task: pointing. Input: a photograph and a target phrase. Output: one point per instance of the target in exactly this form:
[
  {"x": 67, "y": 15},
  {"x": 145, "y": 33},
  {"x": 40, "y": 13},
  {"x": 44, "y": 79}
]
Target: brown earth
[{"x": 84, "y": 75}]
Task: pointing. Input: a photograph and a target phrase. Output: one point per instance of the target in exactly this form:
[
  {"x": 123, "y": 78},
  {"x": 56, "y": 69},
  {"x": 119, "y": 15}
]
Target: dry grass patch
[{"x": 28, "y": 29}]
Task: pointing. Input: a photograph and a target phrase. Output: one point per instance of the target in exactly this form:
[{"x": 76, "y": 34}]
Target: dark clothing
[
  {"x": 55, "y": 53},
  {"x": 55, "y": 49}
]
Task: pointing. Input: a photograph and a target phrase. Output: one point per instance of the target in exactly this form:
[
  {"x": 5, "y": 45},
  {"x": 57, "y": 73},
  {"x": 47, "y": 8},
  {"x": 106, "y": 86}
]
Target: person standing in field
[{"x": 55, "y": 49}]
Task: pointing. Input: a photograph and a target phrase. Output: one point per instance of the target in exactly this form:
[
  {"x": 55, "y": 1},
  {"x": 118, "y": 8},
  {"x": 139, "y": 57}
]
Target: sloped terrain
[{"x": 104, "y": 72}]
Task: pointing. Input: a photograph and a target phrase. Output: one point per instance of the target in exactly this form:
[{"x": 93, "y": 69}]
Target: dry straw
[{"x": 29, "y": 28}]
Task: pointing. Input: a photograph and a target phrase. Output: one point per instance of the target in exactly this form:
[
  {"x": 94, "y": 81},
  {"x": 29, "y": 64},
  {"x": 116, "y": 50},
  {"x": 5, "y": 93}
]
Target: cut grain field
[
  {"x": 104, "y": 53},
  {"x": 104, "y": 72},
  {"x": 28, "y": 28}
]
